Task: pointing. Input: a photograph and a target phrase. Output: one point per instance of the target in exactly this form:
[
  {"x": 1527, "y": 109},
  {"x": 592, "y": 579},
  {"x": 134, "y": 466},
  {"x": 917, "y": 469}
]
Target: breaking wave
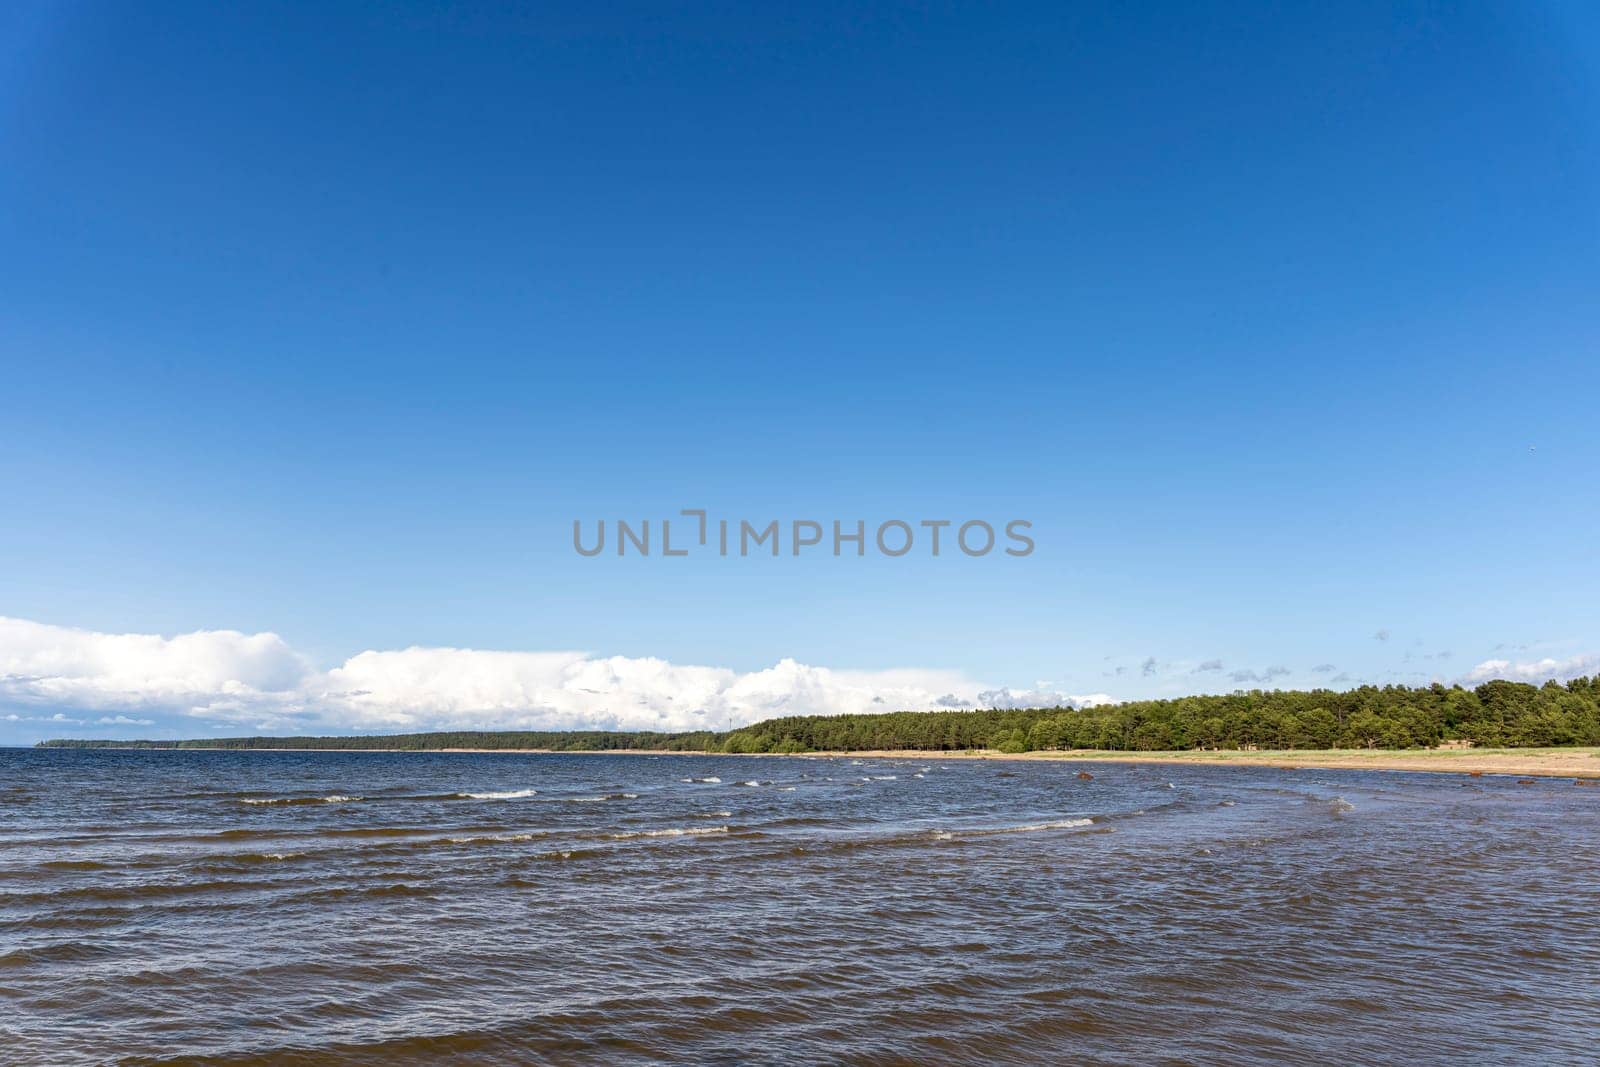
[
  {"x": 337, "y": 798},
  {"x": 676, "y": 831}
]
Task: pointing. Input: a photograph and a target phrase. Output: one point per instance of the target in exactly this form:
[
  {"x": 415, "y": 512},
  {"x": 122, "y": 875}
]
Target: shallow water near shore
[{"x": 312, "y": 907}]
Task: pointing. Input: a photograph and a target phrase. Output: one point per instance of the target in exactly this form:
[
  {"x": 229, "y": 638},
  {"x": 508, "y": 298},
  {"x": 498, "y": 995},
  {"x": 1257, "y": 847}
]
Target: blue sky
[{"x": 1276, "y": 321}]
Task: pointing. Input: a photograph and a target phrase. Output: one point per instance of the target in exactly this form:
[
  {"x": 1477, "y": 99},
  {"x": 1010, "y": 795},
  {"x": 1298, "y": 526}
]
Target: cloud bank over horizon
[
  {"x": 53, "y": 678},
  {"x": 1539, "y": 670},
  {"x": 227, "y": 679}
]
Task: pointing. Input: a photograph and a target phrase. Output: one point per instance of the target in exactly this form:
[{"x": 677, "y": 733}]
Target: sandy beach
[
  {"x": 1526, "y": 762},
  {"x": 1523, "y": 762}
]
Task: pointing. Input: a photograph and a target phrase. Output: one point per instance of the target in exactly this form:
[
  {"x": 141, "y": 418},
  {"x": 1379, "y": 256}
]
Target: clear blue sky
[{"x": 1278, "y": 321}]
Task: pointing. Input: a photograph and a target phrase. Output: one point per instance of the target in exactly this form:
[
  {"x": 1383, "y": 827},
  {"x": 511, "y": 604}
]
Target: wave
[
  {"x": 794, "y": 821},
  {"x": 59, "y": 952},
  {"x": 246, "y": 833},
  {"x": 704, "y": 781},
  {"x": 341, "y": 798},
  {"x": 494, "y": 839},
  {"x": 75, "y": 865},
  {"x": 676, "y": 831},
  {"x": 336, "y": 798},
  {"x": 394, "y": 889},
  {"x": 1032, "y": 827},
  {"x": 518, "y": 882},
  {"x": 853, "y": 843},
  {"x": 144, "y": 891},
  {"x": 228, "y": 863},
  {"x": 1057, "y": 824}
]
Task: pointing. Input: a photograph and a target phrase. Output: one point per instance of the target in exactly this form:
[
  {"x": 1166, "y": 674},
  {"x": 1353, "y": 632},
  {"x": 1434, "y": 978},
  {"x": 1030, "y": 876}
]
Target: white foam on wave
[
  {"x": 337, "y": 798},
  {"x": 675, "y": 831},
  {"x": 1055, "y": 824},
  {"x": 706, "y": 781},
  {"x": 494, "y": 839},
  {"x": 509, "y": 794}
]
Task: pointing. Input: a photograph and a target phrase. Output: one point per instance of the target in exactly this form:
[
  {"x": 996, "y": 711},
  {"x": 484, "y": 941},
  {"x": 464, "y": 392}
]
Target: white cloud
[
  {"x": 1535, "y": 670},
  {"x": 1008, "y": 699},
  {"x": 84, "y": 669},
  {"x": 258, "y": 682}
]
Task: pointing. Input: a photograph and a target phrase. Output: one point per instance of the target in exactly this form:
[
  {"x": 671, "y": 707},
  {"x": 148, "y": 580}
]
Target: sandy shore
[
  {"x": 1523, "y": 762},
  {"x": 1527, "y": 762}
]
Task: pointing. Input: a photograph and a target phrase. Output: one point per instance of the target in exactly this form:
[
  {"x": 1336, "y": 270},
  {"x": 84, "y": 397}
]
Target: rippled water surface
[{"x": 261, "y": 907}]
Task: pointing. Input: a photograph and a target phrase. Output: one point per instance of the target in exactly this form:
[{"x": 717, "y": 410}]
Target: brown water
[{"x": 428, "y": 908}]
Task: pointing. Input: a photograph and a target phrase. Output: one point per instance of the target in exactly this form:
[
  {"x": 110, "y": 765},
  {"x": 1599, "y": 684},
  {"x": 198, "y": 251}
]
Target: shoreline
[
  {"x": 1536, "y": 763},
  {"x": 1576, "y": 762},
  {"x": 1530, "y": 762}
]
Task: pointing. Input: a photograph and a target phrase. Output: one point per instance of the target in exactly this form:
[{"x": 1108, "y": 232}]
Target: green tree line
[{"x": 1497, "y": 714}]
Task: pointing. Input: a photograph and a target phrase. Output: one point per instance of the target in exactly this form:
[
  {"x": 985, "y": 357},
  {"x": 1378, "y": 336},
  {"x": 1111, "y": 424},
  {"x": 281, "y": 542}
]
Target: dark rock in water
[{"x": 1527, "y": 781}]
